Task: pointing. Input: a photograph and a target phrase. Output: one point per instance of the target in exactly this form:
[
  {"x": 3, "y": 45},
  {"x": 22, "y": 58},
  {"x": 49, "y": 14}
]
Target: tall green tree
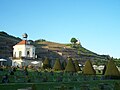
[
  {"x": 57, "y": 65},
  {"x": 46, "y": 63},
  {"x": 88, "y": 69},
  {"x": 70, "y": 66},
  {"x": 111, "y": 69},
  {"x": 73, "y": 40}
]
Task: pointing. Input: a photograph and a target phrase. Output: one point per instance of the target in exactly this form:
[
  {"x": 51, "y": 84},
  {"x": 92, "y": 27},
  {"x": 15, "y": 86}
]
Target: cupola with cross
[{"x": 24, "y": 49}]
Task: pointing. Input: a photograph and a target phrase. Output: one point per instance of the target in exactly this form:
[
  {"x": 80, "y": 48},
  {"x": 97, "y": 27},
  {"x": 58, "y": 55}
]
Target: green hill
[
  {"x": 48, "y": 49},
  {"x": 63, "y": 51},
  {"x": 6, "y": 44}
]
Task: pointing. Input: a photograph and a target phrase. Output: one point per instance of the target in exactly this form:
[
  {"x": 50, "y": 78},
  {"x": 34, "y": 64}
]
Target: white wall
[{"x": 24, "y": 49}]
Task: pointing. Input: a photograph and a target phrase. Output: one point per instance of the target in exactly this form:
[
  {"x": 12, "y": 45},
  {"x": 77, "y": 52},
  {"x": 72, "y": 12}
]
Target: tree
[
  {"x": 88, "y": 69},
  {"x": 77, "y": 65},
  {"x": 112, "y": 70},
  {"x": 57, "y": 65},
  {"x": 70, "y": 66},
  {"x": 46, "y": 63},
  {"x": 73, "y": 40}
]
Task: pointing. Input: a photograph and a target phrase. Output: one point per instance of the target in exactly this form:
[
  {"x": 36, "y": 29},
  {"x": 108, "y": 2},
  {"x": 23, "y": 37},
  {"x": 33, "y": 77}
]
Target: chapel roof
[{"x": 23, "y": 42}]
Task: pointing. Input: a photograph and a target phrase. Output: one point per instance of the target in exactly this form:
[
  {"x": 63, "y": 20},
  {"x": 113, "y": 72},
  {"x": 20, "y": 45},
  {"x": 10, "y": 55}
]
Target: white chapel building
[
  {"x": 24, "y": 49},
  {"x": 24, "y": 53}
]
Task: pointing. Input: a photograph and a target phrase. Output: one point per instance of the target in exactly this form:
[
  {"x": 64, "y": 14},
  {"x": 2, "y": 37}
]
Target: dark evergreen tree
[
  {"x": 70, "y": 66},
  {"x": 88, "y": 69},
  {"x": 112, "y": 70},
  {"x": 46, "y": 63},
  {"x": 57, "y": 65}
]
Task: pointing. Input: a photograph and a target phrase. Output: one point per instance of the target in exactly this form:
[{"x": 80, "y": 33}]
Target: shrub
[
  {"x": 14, "y": 69},
  {"x": 57, "y": 65},
  {"x": 70, "y": 66},
  {"x": 88, "y": 69},
  {"x": 111, "y": 70},
  {"x": 11, "y": 73},
  {"x": 34, "y": 87},
  {"x": 117, "y": 86},
  {"x": 46, "y": 63}
]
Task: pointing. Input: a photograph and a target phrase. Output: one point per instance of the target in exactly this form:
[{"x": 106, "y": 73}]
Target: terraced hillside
[
  {"x": 51, "y": 50},
  {"x": 6, "y": 44},
  {"x": 63, "y": 51}
]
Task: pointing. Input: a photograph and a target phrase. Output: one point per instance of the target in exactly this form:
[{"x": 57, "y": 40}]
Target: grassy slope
[
  {"x": 6, "y": 44},
  {"x": 81, "y": 53},
  {"x": 19, "y": 80},
  {"x": 94, "y": 85},
  {"x": 50, "y": 49}
]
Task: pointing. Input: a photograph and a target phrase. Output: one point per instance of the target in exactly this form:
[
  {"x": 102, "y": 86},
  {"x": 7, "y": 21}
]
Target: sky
[{"x": 96, "y": 23}]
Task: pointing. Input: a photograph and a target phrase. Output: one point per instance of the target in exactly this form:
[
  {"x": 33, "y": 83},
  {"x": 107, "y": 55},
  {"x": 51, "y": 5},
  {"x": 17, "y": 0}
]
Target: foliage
[
  {"x": 33, "y": 87},
  {"x": 88, "y": 69},
  {"x": 104, "y": 70},
  {"x": 70, "y": 66},
  {"x": 64, "y": 64},
  {"x": 38, "y": 79},
  {"x": 57, "y": 65},
  {"x": 46, "y": 63},
  {"x": 93, "y": 85},
  {"x": 73, "y": 40},
  {"x": 117, "y": 86},
  {"x": 117, "y": 62},
  {"x": 40, "y": 40},
  {"x": 78, "y": 52},
  {"x": 76, "y": 65},
  {"x": 3, "y": 33},
  {"x": 111, "y": 69}
]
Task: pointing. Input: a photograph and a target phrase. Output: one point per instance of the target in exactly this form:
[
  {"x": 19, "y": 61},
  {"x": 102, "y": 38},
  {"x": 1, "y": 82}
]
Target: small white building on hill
[
  {"x": 24, "y": 49},
  {"x": 24, "y": 54}
]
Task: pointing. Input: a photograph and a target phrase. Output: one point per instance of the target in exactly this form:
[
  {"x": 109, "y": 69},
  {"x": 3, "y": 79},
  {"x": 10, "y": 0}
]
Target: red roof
[{"x": 22, "y": 42}]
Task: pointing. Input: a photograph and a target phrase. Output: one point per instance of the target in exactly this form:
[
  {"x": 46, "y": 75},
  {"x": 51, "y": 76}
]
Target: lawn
[
  {"x": 91, "y": 85},
  {"x": 48, "y": 80}
]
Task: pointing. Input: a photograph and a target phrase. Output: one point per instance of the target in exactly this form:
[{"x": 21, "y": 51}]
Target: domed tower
[
  {"x": 25, "y": 36},
  {"x": 24, "y": 49}
]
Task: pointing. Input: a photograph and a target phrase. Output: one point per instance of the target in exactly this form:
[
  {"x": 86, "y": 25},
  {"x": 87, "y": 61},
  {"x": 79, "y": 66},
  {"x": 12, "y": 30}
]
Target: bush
[
  {"x": 14, "y": 69},
  {"x": 111, "y": 70},
  {"x": 70, "y": 66},
  {"x": 117, "y": 86},
  {"x": 33, "y": 87},
  {"x": 57, "y": 65},
  {"x": 46, "y": 63},
  {"x": 11, "y": 73},
  {"x": 88, "y": 69}
]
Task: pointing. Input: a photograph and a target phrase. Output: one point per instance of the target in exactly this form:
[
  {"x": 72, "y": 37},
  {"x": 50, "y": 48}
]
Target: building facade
[
  {"x": 23, "y": 49},
  {"x": 24, "y": 54}
]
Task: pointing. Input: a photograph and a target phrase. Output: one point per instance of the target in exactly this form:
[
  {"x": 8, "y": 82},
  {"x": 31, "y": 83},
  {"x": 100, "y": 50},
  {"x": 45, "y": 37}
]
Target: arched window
[
  {"x": 20, "y": 53},
  {"x": 14, "y": 54},
  {"x": 28, "y": 54}
]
